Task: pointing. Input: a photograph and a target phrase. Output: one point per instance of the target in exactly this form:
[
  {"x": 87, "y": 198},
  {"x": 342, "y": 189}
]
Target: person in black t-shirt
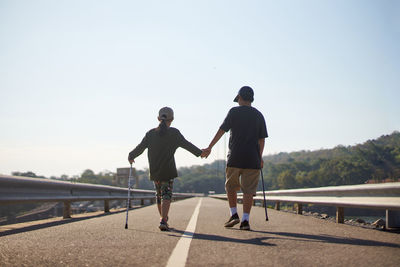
[{"x": 246, "y": 144}]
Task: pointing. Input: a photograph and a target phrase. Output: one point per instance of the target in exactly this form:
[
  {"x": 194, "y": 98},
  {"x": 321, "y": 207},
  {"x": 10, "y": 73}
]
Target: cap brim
[{"x": 236, "y": 99}]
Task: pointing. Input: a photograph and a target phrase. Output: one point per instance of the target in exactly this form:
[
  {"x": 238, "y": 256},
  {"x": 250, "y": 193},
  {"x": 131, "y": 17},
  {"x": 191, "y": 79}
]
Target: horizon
[
  {"x": 82, "y": 81},
  {"x": 209, "y": 163}
]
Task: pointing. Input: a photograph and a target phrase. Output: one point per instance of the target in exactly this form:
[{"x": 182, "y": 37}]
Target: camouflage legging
[{"x": 163, "y": 190}]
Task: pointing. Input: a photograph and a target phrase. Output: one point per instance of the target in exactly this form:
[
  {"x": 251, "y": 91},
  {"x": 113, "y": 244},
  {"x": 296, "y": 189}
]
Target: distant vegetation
[
  {"x": 373, "y": 160},
  {"x": 27, "y": 174},
  {"x": 376, "y": 160}
]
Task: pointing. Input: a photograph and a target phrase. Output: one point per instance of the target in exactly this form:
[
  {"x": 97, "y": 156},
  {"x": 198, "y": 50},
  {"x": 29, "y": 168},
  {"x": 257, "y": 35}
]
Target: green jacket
[{"x": 161, "y": 150}]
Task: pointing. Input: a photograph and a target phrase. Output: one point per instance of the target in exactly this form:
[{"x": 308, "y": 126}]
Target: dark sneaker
[
  {"x": 245, "y": 225},
  {"x": 234, "y": 219},
  {"x": 163, "y": 226}
]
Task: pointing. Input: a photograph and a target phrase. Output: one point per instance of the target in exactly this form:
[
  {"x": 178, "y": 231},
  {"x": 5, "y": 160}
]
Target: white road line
[{"x": 179, "y": 254}]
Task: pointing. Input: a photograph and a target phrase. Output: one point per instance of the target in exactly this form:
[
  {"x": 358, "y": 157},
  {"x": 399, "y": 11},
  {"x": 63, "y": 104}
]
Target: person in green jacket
[{"x": 162, "y": 143}]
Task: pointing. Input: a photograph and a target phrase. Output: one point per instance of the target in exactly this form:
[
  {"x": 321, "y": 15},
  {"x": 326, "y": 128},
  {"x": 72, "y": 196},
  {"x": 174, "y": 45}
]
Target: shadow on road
[
  {"x": 51, "y": 224},
  {"x": 328, "y": 239},
  {"x": 259, "y": 241}
]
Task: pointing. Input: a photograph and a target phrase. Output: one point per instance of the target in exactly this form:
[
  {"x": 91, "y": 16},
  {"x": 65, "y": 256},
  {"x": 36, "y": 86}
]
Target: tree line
[{"x": 374, "y": 160}]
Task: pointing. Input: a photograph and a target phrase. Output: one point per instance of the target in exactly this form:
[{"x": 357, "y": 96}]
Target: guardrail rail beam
[
  {"x": 368, "y": 196},
  {"x": 17, "y": 189}
]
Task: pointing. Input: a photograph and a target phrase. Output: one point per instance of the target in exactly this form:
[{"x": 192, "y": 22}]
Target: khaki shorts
[{"x": 245, "y": 179}]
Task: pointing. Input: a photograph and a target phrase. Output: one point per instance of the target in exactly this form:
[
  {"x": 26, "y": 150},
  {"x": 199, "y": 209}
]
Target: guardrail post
[
  {"x": 106, "y": 206},
  {"x": 339, "y": 214},
  {"x": 67, "y": 210},
  {"x": 277, "y": 205},
  {"x": 299, "y": 208},
  {"x": 392, "y": 219}
]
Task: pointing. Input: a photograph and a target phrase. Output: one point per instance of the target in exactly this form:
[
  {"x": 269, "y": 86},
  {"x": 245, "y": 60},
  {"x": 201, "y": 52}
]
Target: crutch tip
[{"x": 126, "y": 226}]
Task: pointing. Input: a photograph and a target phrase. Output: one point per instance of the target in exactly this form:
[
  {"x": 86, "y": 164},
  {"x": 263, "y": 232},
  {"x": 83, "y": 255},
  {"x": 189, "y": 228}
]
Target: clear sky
[{"x": 82, "y": 81}]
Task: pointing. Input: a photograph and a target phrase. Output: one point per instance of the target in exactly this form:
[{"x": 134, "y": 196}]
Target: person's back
[
  {"x": 161, "y": 150},
  {"x": 247, "y": 125},
  {"x": 162, "y": 143}
]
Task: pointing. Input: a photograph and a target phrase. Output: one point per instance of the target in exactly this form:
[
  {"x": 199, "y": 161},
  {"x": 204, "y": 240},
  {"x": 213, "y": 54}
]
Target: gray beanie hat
[{"x": 166, "y": 113}]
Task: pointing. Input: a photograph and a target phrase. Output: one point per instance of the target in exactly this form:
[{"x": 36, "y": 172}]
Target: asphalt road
[{"x": 285, "y": 240}]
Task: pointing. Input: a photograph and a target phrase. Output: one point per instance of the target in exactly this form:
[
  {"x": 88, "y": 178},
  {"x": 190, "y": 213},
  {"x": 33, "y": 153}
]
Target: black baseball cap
[{"x": 246, "y": 93}]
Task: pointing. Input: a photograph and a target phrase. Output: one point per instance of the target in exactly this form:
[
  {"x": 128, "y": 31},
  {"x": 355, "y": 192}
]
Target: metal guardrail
[
  {"x": 374, "y": 196},
  {"x": 16, "y": 189}
]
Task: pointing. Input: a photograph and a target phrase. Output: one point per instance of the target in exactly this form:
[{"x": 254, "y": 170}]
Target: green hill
[{"x": 377, "y": 160}]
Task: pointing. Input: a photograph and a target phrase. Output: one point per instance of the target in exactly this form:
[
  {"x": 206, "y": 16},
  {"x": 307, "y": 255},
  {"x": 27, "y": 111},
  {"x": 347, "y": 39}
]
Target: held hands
[
  {"x": 131, "y": 161},
  {"x": 206, "y": 152}
]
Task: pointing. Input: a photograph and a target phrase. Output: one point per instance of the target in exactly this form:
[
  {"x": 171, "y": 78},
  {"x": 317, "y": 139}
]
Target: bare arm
[{"x": 216, "y": 138}]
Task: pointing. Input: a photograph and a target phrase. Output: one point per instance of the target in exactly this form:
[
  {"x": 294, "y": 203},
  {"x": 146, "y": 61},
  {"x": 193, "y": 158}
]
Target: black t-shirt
[{"x": 247, "y": 126}]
